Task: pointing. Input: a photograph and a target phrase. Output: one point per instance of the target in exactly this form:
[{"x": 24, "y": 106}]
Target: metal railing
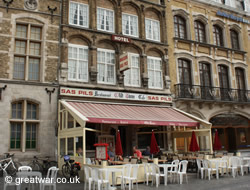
[{"x": 209, "y": 93}]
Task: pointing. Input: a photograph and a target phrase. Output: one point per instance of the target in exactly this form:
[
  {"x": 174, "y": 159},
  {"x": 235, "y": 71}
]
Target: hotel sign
[
  {"x": 114, "y": 95},
  {"x": 232, "y": 17},
  {"x": 121, "y": 39},
  {"x": 124, "y": 62}
]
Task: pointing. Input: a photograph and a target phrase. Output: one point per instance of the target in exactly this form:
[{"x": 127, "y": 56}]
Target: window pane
[
  {"x": 35, "y": 48},
  {"x": 132, "y": 75},
  {"x": 78, "y": 14},
  {"x": 35, "y": 33},
  {"x": 105, "y": 20},
  {"x": 71, "y": 146},
  {"x": 79, "y": 143},
  {"x": 15, "y": 137},
  {"x": 152, "y": 29},
  {"x": 62, "y": 146},
  {"x": 31, "y": 133},
  {"x": 17, "y": 110},
  {"x": 154, "y": 73},
  {"x": 106, "y": 66},
  {"x": 21, "y": 31},
  {"x": 31, "y": 111},
  {"x": 20, "y": 47},
  {"x": 34, "y": 69},
  {"x": 19, "y": 68},
  {"x": 130, "y": 25}
]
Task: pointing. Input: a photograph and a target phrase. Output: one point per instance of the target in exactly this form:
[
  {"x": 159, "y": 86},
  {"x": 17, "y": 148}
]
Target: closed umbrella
[
  {"x": 118, "y": 145},
  {"x": 194, "y": 145},
  {"x": 153, "y": 145},
  {"x": 217, "y": 144}
]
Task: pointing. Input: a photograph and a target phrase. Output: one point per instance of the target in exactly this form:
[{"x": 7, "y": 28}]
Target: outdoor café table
[
  {"x": 159, "y": 161},
  {"x": 215, "y": 163},
  {"x": 29, "y": 176},
  {"x": 118, "y": 162},
  {"x": 113, "y": 171},
  {"x": 165, "y": 170}
]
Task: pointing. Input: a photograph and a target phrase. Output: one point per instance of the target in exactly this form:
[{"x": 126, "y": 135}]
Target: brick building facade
[{"x": 28, "y": 77}]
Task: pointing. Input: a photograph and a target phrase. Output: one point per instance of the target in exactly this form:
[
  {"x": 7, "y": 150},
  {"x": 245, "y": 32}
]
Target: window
[
  {"x": 184, "y": 69},
  {"x": 224, "y": 82},
  {"x": 200, "y": 34},
  {"x": 152, "y": 29},
  {"x": 240, "y": 84},
  {"x": 132, "y": 75},
  {"x": 78, "y": 63},
  {"x": 234, "y": 39},
  {"x": 218, "y": 35},
  {"x": 180, "y": 27},
  {"x": 130, "y": 25},
  {"x": 27, "y": 52},
  {"x": 106, "y": 66},
  {"x": 105, "y": 20},
  {"x": 205, "y": 80},
  {"x": 24, "y": 119},
  {"x": 78, "y": 14},
  {"x": 154, "y": 72}
]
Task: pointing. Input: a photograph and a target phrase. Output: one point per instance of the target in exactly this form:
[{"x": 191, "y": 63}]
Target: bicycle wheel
[
  {"x": 12, "y": 169},
  {"x": 36, "y": 166},
  {"x": 66, "y": 171}
]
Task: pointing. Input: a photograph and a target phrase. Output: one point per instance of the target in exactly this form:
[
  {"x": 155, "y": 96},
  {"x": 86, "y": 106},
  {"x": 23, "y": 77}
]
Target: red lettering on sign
[{"x": 123, "y": 58}]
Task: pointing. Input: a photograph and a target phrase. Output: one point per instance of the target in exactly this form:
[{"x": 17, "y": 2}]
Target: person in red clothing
[{"x": 137, "y": 152}]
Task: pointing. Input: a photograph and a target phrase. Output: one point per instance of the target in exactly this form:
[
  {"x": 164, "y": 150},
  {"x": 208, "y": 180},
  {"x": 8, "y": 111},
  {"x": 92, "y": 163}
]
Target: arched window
[
  {"x": 205, "y": 80},
  {"x": 200, "y": 33},
  {"x": 24, "y": 120},
  {"x": 224, "y": 82},
  {"x": 234, "y": 39},
  {"x": 180, "y": 27},
  {"x": 218, "y": 35},
  {"x": 184, "y": 68}
]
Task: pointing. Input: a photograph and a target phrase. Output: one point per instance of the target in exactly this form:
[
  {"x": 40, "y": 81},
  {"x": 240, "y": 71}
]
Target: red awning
[{"x": 131, "y": 114}]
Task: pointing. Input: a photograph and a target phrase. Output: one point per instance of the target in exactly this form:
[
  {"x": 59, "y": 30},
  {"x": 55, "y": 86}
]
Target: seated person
[
  {"x": 111, "y": 154},
  {"x": 79, "y": 151},
  {"x": 137, "y": 152},
  {"x": 146, "y": 152}
]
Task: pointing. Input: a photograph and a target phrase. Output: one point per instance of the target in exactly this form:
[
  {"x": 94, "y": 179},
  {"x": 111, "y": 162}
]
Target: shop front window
[
  {"x": 71, "y": 146},
  {"x": 62, "y": 146},
  {"x": 79, "y": 144}
]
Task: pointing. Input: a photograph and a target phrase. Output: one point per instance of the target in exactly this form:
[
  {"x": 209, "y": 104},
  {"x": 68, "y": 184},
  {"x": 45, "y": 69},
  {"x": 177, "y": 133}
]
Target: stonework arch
[{"x": 79, "y": 39}]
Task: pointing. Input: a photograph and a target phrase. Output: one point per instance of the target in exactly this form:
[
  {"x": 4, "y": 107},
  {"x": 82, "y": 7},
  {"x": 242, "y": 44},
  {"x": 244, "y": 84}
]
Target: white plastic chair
[
  {"x": 224, "y": 165},
  {"x": 182, "y": 170},
  {"x": 242, "y": 165},
  {"x": 200, "y": 168},
  {"x": 174, "y": 169},
  {"x": 209, "y": 169},
  {"x": 147, "y": 171},
  {"x": 126, "y": 173},
  {"x": 52, "y": 175},
  {"x": 5, "y": 185},
  {"x": 156, "y": 174},
  {"x": 24, "y": 169},
  {"x": 97, "y": 177},
  {"x": 132, "y": 178},
  {"x": 233, "y": 165},
  {"x": 88, "y": 178}
]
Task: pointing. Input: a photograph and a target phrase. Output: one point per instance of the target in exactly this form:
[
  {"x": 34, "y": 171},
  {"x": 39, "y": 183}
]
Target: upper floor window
[
  {"x": 218, "y": 35},
  {"x": 200, "y": 33},
  {"x": 130, "y": 25},
  {"x": 184, "y": 71},
  {"x": 78, "y": 14},
  {"x": 205, "y": 74},
  {"x": 240, "y": 79},
  {"x": 152, "y": 29},
  {"x": 27, "y": 55},
  {"x": 234, "y": 39},
  {"x": 106, "y": 66},
  {"x": 78, "y": 63},
  {"x": 154, "y": 72},
  {"x": 105, "y": 19},
  {"x": 180, "y": 27},
  {"x": 132, "y": 75},
  {"x": 24, "y": 119}
]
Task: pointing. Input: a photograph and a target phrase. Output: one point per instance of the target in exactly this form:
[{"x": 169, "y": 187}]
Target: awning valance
[{"x": 129, "y": 114}]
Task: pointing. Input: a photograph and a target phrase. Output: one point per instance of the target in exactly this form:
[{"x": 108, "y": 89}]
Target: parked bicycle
[
  {"x": 8, "y": 165},
  {"x": 70, "y": 168},
  {"x": 46, "y": 164}
]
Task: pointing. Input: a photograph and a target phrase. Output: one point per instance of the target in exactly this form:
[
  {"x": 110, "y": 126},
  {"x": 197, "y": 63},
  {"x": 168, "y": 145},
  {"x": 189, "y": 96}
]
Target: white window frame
[
  {"x": 105, "y": 82},
  {"x": 152, "y": 32},
  {"x": 77, "y": 63},
  {"x": 78, "y": 4},
  {"x": 131, "y": 69},
  {"x": 123, "y": 30},
  {"x": 105, "y": 12},
  {"x": 159, "y": 59}
]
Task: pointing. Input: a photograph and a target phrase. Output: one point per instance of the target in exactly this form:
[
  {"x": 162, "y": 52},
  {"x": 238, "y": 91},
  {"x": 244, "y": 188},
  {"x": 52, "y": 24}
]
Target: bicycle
[
  {"x": 70, "y": 168},
  {"x": 9, "y": 165},
  {"x": 37, "y": 166}
]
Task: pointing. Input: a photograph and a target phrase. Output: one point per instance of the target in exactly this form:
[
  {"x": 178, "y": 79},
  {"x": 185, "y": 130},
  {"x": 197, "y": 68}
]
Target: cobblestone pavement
[{"x": 224, "y": 183}]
